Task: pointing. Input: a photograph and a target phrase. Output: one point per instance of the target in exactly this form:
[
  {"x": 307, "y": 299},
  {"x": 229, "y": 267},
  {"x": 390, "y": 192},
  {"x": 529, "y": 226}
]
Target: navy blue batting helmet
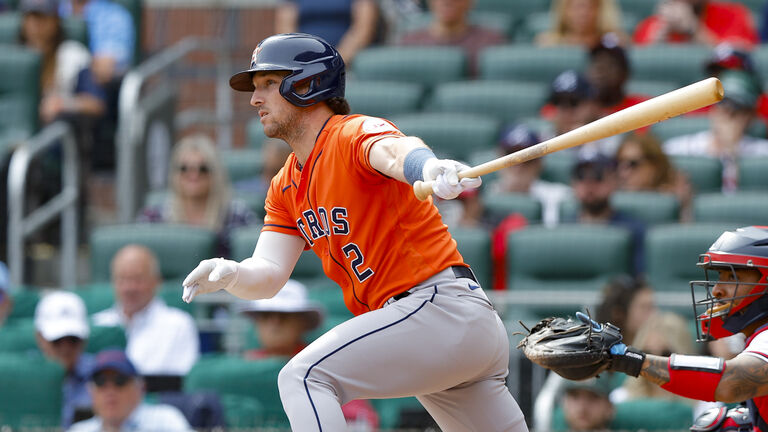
[{"x": 308, "y": 59}]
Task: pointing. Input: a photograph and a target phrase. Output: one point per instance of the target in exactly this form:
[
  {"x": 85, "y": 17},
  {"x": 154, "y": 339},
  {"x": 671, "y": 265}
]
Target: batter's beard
[{"x": 287, "y": 130}]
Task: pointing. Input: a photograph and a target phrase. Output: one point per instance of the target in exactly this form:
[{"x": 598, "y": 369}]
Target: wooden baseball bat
[{"x": 660, "y": 108}]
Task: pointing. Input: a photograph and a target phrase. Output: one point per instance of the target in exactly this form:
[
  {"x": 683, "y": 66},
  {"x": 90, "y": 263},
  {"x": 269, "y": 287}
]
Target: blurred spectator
[
  {"x": 586, "y": 405},
  {"x": 161, "y": 340},
  {"x": 451, "y": 26},
  {"x": 111, "y": 36},
  {"x": 643, "y": 167},
  {"x": 200, "y": 193},
  {"x": 727, "y": 137},
  {"x": 608, "y": 72},
  {"x": 6, "y": 301},
  {"x": 524, "y": 178},
  {"x": 626, "y": 302},
  {"x": 594, "y": 181},
  {"x": 661, "y": 334},
  {"x": 698, "y": 21},
  {"x": 62, "y": 331},
  {"x": 348, "y": 25},
  {"x": 282, "y": 324},
  {"x": 117, "y": 392},
  {"x": 582, "y": 23},
  {"x": 67, "y": 86},
  {"x": 571, "y": 103},
  {"x": 274, "y": 152},
  {"x": 726, "y": 57}
]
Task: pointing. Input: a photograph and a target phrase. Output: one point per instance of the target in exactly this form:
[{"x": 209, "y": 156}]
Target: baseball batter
[{"x": 423, "y": 325}]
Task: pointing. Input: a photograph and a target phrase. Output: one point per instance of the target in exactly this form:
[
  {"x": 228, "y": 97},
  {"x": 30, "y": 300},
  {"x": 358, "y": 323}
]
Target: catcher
[{"x": 732, "y": 299}]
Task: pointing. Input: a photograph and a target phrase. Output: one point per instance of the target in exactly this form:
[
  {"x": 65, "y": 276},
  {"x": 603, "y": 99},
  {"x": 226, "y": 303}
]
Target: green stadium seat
[
  {"x": 639, "y": 8},
  {"x": 170, "y": 292},
  {"x": 525, "y": 62},
  {"x": 519, "y": 8},
  {"x": 254, "y": 133},
  {"x": 24, "y": 303},
  {"x": 503, "y": 100},
  {"x": 704, "y": 173},
  {"x": 760, "y": 59},
  {"x": 557, "y": 167},
  {"x": 243, "y": 240},
  {"x": 752, "y": 174},
  {"x": 501, "y": 21},
  {"x": 651, "y": 87},
  {"x": 97, "y": 296},
  {"x": 329, "y": 294},
  {"x": 10, "y": 26},
  {"x": 452, "y": 135},
  {"x": 20, "y": 70},
  {"x": 641, "y": 414},
  {"x": 568, "y": 257},
  {"x": 501, "y": 205},
  {"x": 681, "y": 63},
  {"x": 242, "y": 164},
  {"x": 475, "y": 246},
  {"x": 179, "y": 248},
  {"x": 678, "y": 126},
  {"x": 229, "y": 375},
  {"x": 417, "y": 64},
  {"x": 672, "y": 251},
  {"x": 31, "y": 392},
  {"x": 741, "y": 208},
  {"x": 383, "y": 98},
  {"x": 648, "y": 207},
  {"x": 102, "y": 338},
  {"x": 18, "y": 336}
]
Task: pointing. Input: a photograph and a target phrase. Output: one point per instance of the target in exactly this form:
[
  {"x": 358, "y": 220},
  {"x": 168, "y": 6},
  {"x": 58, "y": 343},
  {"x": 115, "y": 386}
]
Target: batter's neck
[{"x": 312, "y": 124}]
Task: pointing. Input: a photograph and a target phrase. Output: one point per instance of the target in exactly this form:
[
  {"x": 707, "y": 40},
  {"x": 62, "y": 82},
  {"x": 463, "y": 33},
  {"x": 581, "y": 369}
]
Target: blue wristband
[{"x": 413, "y": 165}]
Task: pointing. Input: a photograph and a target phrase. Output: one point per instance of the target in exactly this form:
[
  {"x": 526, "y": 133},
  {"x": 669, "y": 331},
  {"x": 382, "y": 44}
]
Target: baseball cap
[
  {"x": 59, "y": 314},
  {"x": 570, "y": 85},
  {"x": 45, "y": 7},
  {"x": 292, "y": 298},
  {"x": 599, "y": 385},
  {"x": 113, "y": 359},
  {"x": 740, "y": 89},
  {"x": 593, "y": 165},
  {"x": 516, "y": 137},
  {"x": 725, "y": 56},
  {"x": 609, "y": 44}
]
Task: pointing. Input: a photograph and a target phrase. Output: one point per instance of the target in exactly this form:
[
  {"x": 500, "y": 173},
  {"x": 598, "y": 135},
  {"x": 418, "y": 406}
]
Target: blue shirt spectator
[
  {"x": 111, "y": 34},
  {"x": 77, "y": 400}
]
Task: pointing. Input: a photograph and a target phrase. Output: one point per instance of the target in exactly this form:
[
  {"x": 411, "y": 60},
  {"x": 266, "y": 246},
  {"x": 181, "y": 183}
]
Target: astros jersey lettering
[{"x": 353, "y": 237}]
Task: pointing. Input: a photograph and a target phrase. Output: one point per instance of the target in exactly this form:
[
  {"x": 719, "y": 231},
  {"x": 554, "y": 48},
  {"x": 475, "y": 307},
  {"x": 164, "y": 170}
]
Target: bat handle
[{"x": 422, "y": 189}]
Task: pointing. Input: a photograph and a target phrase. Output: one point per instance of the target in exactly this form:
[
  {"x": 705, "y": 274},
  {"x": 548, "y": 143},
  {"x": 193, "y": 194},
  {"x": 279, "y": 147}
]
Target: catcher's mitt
[{"x": 575, "y": 350}]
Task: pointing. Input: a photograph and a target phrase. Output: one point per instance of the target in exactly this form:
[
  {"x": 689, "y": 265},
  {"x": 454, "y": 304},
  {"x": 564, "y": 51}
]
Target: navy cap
[
  {"x": 113, "y": 359},
  {"x": 593, "y": 165},
  {"x": 44, "y": 7},
  {"x": 517, "y": 137},
  {"x": 609, "y": 44},
  {"x": 570, "y": 85}
]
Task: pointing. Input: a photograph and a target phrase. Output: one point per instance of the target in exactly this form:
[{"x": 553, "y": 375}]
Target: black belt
[{"x": 458, "y": 271}]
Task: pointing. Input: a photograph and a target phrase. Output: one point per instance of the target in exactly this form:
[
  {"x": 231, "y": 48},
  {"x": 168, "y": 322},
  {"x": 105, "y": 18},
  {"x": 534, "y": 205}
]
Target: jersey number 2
[{"x": 349, "y": 249}]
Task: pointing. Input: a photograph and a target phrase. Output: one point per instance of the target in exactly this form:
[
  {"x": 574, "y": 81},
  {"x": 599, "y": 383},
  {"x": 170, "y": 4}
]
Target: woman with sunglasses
[
  {"x": 642, "y": 166},
  {"x": 200, "y": 193}
]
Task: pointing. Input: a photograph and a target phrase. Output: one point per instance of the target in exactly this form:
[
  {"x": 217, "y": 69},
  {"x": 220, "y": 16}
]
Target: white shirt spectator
[
  {"x": 145, "y": 418},
  {"x": 71, "y": 58},
  {"x": 161, "y": 340}
]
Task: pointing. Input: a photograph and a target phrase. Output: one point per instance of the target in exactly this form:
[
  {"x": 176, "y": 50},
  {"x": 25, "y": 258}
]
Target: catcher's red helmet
[{"x": 744, "y": 248}]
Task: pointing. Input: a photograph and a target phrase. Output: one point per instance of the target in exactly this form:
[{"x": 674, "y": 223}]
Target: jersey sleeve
[
  {"x": 363, "y": 132},
  {"x": 278, "y": 218},
  {"x": 758, "y": 347}
]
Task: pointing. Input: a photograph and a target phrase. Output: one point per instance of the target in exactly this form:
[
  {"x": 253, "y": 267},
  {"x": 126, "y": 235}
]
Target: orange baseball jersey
[{"x": 353, "y": 216}]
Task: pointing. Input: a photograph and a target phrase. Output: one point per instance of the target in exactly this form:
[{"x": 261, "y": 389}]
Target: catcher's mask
[
  {"x": 718, "y": 317},
  {"x": 308, "y": 59}
]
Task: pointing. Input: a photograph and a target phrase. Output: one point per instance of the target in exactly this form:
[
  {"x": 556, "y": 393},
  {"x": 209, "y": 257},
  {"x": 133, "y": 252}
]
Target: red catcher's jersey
[{"x": 374, "y": 237}]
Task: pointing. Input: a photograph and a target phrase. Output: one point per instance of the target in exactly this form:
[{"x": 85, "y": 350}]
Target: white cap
[
  {"x": 59, "y": 314},
  {"x": 292, "y": 298}
]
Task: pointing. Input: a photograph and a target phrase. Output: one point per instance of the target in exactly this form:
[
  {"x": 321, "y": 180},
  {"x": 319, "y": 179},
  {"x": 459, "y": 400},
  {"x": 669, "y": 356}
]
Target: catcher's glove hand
[{"x": 582, "y": 349}]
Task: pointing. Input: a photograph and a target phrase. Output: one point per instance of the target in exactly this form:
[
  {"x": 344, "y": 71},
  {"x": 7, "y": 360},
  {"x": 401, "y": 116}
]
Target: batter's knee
[{"x": 290, "y": 378}]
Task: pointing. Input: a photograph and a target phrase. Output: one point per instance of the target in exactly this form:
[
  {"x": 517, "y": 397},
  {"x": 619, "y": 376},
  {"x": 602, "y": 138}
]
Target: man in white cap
[
  {"x": 282, "y": 321},
  {"x": 62, "y": 332}
]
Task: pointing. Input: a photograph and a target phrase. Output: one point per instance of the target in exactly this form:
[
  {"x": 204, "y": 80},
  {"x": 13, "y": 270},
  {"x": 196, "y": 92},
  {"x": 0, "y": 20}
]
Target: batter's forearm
[
  {"x": 388, "y": 154},
  {"x": 655, "y": 369},
  {"x": 258, "y": 278}
]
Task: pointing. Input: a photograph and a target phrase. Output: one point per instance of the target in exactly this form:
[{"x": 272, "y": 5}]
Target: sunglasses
[
  {"x": 119, "y": 380},
  {"x": 202, "y": 169},
  {"x": 630, "y": 163}
]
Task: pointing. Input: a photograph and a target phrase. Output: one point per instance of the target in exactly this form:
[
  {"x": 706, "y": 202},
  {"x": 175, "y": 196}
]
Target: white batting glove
[
  {"x": 209, "y": 276},
  {"x": 444, "y": 173}
]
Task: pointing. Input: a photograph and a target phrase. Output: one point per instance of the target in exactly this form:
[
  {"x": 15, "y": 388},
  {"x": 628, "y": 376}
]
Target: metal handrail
[
  {"x": 130, "y": 129},
  {"x": 64, "y": 203}
]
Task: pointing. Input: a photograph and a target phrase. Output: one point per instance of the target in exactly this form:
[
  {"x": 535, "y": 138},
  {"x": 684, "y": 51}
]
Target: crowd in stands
[{"x": 79, "y": 81}]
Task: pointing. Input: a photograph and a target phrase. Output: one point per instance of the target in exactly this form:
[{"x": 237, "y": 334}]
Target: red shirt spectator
[{"x": 715, "y": 22}]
